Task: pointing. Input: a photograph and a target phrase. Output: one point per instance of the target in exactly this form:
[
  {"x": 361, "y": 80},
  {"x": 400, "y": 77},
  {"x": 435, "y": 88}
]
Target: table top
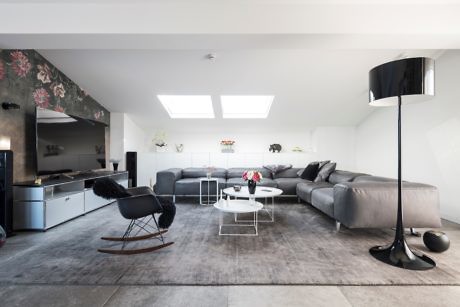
[
  {"x": 261, "y": 192},
  {"x": 238, "y": 206},
  {"x": 209, "y": 179}
]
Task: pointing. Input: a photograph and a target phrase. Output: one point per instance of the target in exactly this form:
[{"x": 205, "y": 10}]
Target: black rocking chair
[{"x": 140, "y": 206}]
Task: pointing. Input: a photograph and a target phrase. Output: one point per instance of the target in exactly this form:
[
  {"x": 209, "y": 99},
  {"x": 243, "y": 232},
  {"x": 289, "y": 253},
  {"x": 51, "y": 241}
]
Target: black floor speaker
[
  {"x": 6, "y": 191},
  {"x": 131, "y": 167}
]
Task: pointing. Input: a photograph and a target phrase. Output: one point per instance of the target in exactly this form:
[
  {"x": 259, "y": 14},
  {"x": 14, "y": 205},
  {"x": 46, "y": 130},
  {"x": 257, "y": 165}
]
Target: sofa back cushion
[
  {"x": 339, "y": 176},
  {"x": 196, "y": 172},
  {"x": 237, "y": 172},
  {"x": 288, "y": 173},
  {"x": 370, "y": 178}
]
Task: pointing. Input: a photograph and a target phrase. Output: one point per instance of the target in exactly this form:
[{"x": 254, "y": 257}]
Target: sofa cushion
[
  {"x": 289, "y": 173},
  {"x": 323, "y": 199},
  {"x": 238, "y": 172},
  {"x": 369, "y": 178},
  {"x": 311, "y": 171},
  {"x": 240, "y": 181},
  {"x": 339, "y": 176},
  {"x": 305, "y": 189},
  {"x": 191, "y": 186},
  {"x": 276, "y": 168},
  {"x": 288, "y": 185},
  {"x": 325, "y": 172},
  {"x": 197, "y": 172}
]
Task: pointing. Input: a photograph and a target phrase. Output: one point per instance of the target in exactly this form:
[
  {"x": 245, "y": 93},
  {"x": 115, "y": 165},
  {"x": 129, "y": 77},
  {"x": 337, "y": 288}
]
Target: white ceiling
[
  {"x": 314, "y": 56},
  {"x": 311, "y": 87}
]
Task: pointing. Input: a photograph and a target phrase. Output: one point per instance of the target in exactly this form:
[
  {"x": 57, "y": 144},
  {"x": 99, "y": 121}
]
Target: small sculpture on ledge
[{"x": 275, "y": 147}]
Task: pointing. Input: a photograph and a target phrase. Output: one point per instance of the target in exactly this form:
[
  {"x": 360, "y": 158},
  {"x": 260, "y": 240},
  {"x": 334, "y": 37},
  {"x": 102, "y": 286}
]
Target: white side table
[
  {"x": 208, "y": 181},
  {"x": 236, "y": 207}
]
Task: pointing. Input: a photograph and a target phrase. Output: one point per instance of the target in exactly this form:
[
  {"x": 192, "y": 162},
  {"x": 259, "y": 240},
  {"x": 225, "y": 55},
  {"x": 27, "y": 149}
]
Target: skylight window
[
  {"x": 246, "y": 106},
  {"x": 187, "y": 106}
]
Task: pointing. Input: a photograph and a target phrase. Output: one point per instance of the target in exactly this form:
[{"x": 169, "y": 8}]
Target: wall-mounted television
[{"x": 67, "y": 144}]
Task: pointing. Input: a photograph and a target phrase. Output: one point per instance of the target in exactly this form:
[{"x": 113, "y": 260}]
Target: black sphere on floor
[{"x": 436, "y": 241}]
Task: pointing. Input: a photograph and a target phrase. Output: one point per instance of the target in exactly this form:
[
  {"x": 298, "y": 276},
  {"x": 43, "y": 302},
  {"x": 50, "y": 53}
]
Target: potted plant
[
  {"x": 252, "y": 177},
  {"x": 227, "y": 146}
]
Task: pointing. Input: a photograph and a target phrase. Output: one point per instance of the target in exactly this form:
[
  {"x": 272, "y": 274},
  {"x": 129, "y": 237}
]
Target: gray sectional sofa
[{"x": 355, "y": 200}]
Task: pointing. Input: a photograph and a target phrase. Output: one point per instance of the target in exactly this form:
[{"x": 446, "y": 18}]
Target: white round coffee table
[
  {"x": 238, "y": 206},
  {"x": 261, "y": 192}
]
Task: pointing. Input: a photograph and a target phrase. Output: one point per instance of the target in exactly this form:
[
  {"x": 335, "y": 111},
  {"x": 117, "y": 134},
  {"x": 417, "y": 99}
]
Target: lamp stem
[{"x": 399, "y": 222}]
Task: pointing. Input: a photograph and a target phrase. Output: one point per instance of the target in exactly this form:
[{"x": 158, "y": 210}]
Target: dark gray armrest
[
  {"x": 374, "y": 204},
  {"x": 137, "y": 206},
  {"x": 139, "y": 191},
  {"x": 166, "y": 181}
]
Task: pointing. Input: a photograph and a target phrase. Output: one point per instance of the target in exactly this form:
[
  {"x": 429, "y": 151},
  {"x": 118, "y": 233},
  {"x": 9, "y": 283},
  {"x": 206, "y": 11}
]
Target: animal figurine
[{"x": 275, "y": 147}]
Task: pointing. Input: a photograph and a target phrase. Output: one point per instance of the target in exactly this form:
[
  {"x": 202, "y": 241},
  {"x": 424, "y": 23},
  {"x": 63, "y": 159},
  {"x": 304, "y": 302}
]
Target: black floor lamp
[{"x": 411, "y": 78}]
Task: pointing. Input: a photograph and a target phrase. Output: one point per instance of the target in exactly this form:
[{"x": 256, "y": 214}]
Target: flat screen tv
[{"x": 67, "y": 144}]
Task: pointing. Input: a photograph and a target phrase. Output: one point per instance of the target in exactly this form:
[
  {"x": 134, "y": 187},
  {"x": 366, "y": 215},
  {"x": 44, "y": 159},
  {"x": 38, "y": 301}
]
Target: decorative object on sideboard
[
  {"x": 115, "y": 163},
  {"x": 227, "y": 146},
  {"x": 252, "y": 177},
  {"x": 412, "y": 78},
  {"x": 5, "y": 142},
  {"x": 10, "y": 106},
  {"x": 297, "y": 149},
  {"x": 2, "y": 236},
  {"x": 436, "y": 241},
  {"x": 160, "y": 141},
  {"x": 275, "y": 148},
  {"x": 179, "y": 147}
]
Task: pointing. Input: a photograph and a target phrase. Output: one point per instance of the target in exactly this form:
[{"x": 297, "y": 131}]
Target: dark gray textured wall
[{"x": 23, "y": 82}]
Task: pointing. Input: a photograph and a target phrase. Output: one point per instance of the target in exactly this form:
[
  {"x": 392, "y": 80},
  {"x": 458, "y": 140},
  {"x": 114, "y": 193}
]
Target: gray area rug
[{"x": 301, "y": 247}]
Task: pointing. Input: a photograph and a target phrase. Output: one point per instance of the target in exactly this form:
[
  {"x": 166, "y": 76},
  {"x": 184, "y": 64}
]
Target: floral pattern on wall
[{"x": 27, "y": 70}]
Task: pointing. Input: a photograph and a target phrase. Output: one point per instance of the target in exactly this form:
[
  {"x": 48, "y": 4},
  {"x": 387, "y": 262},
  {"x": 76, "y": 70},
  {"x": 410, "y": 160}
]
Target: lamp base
[{"x": 400, "y": 255}]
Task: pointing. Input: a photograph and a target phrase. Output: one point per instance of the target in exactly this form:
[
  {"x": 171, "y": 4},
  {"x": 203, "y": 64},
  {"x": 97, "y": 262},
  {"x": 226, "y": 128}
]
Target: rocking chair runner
[{"x": 140, "y": 206}]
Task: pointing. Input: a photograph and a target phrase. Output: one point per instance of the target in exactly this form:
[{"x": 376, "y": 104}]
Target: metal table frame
[{"x": 208, "y": 180}]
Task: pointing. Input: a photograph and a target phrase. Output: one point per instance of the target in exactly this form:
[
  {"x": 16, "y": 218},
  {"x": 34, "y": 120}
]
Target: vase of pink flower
[{"x": 252, "y": 177}]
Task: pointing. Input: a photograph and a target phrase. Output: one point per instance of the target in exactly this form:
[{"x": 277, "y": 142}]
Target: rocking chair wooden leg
[
  {"x": 134, "y": 251},
  {"x": 129, "y": 239}
]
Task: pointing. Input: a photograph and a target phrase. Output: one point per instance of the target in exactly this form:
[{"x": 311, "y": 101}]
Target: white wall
[
  {"x": 125, "y": 135},
  {"x": 334, "y": 143},
  {"x": 430, "y": 135}
]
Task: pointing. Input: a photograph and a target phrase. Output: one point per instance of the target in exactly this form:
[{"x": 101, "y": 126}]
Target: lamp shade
[
  {"x": 5, "y": 143},
  {"x": 412, "y": 77}
]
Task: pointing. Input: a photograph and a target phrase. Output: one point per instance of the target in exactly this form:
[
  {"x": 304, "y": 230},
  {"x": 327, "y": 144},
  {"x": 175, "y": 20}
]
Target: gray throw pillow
[
  {"x": 325, "y": 172},
  {"x": 276, "y": 168}
]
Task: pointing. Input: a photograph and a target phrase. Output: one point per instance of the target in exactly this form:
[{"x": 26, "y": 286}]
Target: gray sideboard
[{"x": 40, "y": 207}]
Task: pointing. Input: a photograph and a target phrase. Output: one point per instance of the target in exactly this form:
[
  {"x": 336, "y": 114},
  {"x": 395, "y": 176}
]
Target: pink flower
[
  {"x": 58, "y": 90},
  {"x": 98, "y": 115},
  {"x": 41, "y": 98},
  {"x": 44, "y": 73},
  {"x": 58, "y": 108},
  {"x": 2, "y": 70},
  {"x": 20, "y": 63}
]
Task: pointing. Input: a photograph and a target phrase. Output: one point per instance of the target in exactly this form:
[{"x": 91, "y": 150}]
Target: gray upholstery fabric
[
  {"x": 305, "y": 189},
  {"x": 196, "y": 172},
  {"x": 238, "y": 172},
  {"x": 374, "y": 204},
  {"x": 289, "y": 185},
  {"x": 289, "y": 173},
  {"x": 239, "y": 181},
  {"x": 339, "y": 176},
  {"x": 191, "y": 186},
  {"x": 323, "y": 199},
  {"x": 369, "y": 178},
  {"x": 276, "y": 168},
  {"x": 325, "y": 172},
  {"x": 166, "y": 180}
]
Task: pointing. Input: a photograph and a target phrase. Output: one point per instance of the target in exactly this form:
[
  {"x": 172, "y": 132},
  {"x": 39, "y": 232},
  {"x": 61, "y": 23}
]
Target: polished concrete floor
[{"x": 216, "y": 296}]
